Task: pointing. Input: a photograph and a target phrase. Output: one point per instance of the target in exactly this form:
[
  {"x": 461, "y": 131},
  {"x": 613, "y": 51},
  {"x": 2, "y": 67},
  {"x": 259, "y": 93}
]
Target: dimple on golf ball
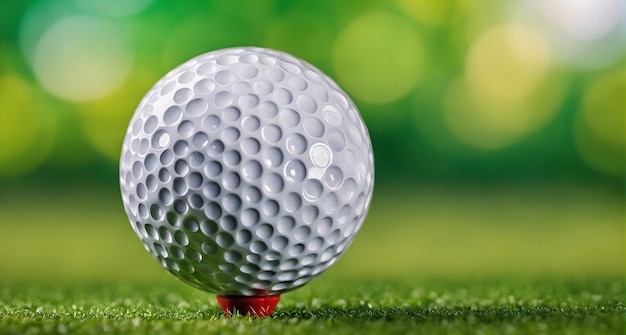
[{"x": 246, "y": 172}]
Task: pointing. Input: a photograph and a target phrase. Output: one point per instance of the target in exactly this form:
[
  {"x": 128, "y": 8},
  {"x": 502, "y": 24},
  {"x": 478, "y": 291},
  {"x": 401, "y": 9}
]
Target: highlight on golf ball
[{"x": 246, "y": 172}]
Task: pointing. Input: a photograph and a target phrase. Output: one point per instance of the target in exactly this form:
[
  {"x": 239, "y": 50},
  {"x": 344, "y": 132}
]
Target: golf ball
[{"x": 246, "y": 172}]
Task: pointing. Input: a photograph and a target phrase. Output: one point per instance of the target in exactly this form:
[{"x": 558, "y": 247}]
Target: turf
[
  {"x": 325, "y": 307},
  {"x": 517, "y": 260}
]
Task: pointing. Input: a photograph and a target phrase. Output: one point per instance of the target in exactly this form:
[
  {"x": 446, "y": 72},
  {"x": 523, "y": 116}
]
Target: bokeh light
[
  {"x": 378, "y": 57},
  {"x": 105, "y": 120},
  {"x": 114, "y": 8},
  {"x": 599, "y": 132},
  {"x": 27, "y": 127},
  {"x": 585, "y": 20},
  {"x": 82, "y": 58},
  {"x": 588, "y": 34},
  {"x": 506, "y": 63},
  {"x": 428, "y": 12},
  {"x": 506, "y": 91},
  {"x": 37, "y": 20},
  {"x": 439, "y": 83},
  {"x": 603, "y": 107}
]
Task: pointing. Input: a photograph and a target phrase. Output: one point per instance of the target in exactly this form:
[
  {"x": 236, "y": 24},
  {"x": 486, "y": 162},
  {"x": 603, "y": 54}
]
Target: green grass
[
  {"x": 324, "y": 307},
  {"x": 432, "y": 260}
]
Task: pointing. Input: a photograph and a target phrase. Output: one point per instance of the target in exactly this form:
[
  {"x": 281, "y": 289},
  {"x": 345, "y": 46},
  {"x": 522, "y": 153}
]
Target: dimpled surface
[{"x": 246, "y": 171}]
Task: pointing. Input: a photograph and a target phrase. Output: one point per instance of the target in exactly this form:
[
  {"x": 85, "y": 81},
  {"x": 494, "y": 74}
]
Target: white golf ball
[{"x": 246, "y": 172}]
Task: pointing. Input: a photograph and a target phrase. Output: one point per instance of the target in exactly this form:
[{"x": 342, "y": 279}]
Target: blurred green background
[{"x": 498, "y": 127}]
